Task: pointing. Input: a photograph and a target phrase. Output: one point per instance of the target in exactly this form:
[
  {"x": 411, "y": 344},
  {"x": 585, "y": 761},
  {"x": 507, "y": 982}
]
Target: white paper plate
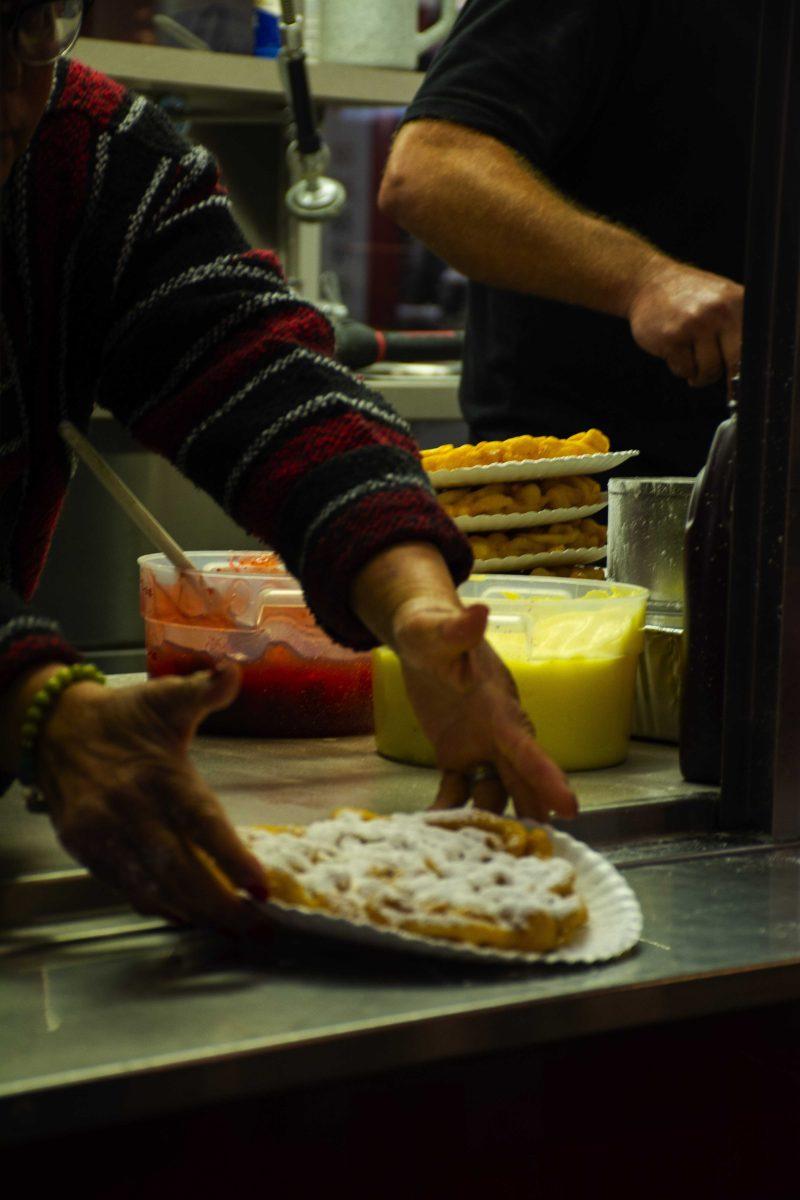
[
  {"x": 512, "y": 563},
  {"x": 545, "y": 516},
  {"x": 531, "y": 468},
  {"x": 614, "y": 926}
]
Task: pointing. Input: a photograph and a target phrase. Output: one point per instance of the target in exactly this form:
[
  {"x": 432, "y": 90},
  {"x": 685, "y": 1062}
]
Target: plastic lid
[{"x": 663, "y": 485}]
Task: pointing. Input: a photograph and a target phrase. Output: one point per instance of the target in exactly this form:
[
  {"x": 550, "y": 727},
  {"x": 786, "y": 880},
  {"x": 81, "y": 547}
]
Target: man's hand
[
  {"x": 468, "y": 706},
  {"x": 126, "y": 801},
  {"x": 690, "y": 318}
]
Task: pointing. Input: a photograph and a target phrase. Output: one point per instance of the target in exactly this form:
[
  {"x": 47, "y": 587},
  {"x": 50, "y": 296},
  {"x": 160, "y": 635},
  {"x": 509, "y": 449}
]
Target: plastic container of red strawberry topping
[{"x": 296, "y": 681}]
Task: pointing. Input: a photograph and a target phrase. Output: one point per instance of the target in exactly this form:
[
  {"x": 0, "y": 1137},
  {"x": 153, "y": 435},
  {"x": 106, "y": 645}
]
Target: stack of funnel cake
[{"x": 528, "y": 504}]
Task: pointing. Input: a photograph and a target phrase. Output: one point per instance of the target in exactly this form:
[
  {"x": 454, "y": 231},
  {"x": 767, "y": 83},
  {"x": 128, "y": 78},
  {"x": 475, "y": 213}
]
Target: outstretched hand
[
  {"x": 468, "y": 706},
  {"x": 126, "y": 801}
]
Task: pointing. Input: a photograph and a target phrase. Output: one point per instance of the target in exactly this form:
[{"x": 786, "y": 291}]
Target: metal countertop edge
[
  {"x": 692, "y": 813},
  {"x": 132, "y": 924},
  {"x": 183, "y": 1083}
]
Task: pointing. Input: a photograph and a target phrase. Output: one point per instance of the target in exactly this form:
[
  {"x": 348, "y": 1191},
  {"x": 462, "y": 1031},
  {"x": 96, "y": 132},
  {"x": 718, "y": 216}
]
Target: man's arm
[{"x": 483, "y": 209}]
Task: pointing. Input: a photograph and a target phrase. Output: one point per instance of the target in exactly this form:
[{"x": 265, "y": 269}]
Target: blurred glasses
[{"x": 41, "y": 32}]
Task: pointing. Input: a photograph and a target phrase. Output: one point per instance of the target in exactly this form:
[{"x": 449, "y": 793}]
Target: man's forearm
[{"x": 482, "y": 209}]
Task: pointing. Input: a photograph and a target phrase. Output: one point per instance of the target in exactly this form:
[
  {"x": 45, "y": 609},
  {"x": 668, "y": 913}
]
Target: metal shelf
[
  {"x": 237, "y": 84},
  {"x": 418, "y": 393}
]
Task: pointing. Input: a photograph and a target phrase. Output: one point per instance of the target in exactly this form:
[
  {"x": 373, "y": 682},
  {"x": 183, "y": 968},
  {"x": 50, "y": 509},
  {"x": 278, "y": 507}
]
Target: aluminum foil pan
[{"x": 656, "y": 708}]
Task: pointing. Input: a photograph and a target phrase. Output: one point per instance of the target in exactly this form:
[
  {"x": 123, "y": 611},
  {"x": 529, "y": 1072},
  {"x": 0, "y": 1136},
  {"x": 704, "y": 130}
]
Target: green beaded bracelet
[{"x": 39, "y": 709}]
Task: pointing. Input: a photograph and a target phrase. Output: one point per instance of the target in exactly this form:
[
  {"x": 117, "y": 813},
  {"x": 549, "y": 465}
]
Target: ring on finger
[{"x": 482, "y": 773}]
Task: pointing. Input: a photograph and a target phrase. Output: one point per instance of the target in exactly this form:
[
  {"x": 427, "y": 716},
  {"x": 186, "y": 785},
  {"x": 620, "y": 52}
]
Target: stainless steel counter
[{"x": 104, "y": 1011}]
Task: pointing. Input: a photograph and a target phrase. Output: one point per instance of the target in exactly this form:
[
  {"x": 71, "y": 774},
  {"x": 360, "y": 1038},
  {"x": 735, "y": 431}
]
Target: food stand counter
[{"x": 110, "y": 1016}]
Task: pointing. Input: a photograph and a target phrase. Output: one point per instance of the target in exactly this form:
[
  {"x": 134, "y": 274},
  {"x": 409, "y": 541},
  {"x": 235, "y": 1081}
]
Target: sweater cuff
[
  {"x": 349, "y": 542},
  {"x": 26, "y": 641}
]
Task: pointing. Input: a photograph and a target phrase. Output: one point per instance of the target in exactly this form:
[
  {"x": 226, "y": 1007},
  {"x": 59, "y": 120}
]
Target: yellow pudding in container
[{"x": 573, "y": 648}]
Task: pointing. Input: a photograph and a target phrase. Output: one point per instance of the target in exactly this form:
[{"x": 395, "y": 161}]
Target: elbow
[
  {"x": 398, "y": 197},
  {"x": 412, "y": 182},
  {"x": 420, "y": 185}
]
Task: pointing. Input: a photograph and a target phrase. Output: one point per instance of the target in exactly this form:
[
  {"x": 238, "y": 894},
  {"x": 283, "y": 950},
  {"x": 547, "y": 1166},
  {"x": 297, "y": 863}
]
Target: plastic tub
[
  {"x": 296, "y": 682},
  {"x": 572, "y": 646}
]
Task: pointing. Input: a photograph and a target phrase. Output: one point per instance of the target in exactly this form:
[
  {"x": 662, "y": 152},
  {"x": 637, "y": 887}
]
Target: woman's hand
[
  {"x": 463, "y": 695},
  {"x": 468, "y": 706},
  {"x": 113, "y": 767}
]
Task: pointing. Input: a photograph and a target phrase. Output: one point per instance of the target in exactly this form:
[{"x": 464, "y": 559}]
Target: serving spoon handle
[{"x": 130, "y": 503}]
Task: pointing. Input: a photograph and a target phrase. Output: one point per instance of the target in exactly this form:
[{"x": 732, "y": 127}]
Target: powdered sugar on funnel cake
[{"x": 463, "y": 876}]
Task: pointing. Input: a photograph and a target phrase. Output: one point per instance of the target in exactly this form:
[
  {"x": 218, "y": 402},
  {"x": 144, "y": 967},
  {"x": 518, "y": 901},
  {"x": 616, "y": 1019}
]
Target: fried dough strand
[
  {"x": 542, "y": 539},
  {"x": 571, "y": 491},
  {"x": 525, "y": 448},
  {"x": 577, "y": 572}
]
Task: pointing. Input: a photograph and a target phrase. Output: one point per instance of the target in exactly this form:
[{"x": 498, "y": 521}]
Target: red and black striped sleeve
[
  {"x": 213, "y": 361},
  {"x": 27, "y": 640}
]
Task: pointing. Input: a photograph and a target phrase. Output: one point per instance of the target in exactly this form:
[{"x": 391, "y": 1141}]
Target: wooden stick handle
[{"x": 123, "y": 495}]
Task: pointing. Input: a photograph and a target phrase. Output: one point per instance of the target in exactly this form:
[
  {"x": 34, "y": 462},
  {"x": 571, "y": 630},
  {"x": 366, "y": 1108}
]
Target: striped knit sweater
[{"x": 126, "y": 283}]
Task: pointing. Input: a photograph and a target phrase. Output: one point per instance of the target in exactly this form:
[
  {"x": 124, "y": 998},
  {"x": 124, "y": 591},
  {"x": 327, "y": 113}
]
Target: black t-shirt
[{"x": 641, "y": 110}]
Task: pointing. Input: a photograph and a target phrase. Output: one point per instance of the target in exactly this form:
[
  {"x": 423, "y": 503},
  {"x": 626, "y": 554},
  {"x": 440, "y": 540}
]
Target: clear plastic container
[
  {"x": 573, "y": 648},
  {"x": 296, "y": 681}
]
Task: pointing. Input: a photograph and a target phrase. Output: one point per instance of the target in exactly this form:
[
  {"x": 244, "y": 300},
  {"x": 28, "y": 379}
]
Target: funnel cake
[
  {"x": 545, "y": 539},
  {"x": 570, "y": 572},
  {"x": 517, "y": 449},
  {"x": 570, "y": 491},
  {"x": 461, "y": 875}
]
